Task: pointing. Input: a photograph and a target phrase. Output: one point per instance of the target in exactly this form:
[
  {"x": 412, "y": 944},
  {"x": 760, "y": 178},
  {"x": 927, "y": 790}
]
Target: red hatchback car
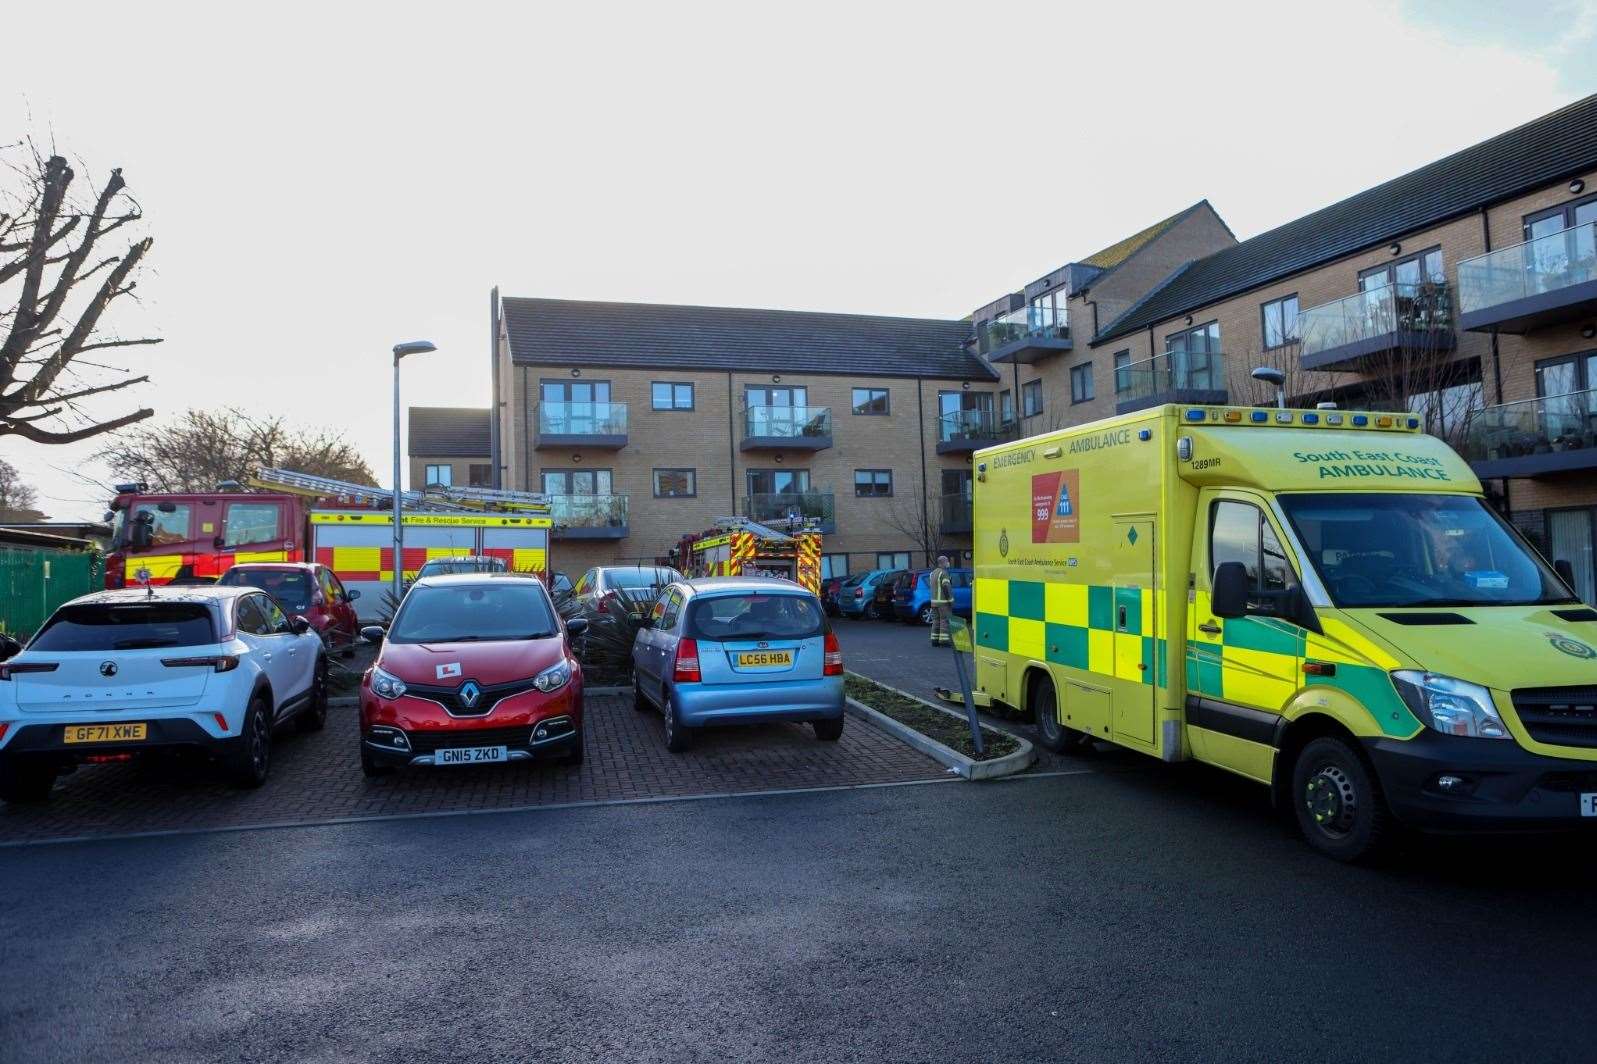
[
  {"x": 475, "y": 669},
  {"x": 309, "y": 589}
]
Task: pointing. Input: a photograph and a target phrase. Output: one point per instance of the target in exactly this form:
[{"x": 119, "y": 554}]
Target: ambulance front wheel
[
  {"x": 1045, "y": 715},
  {"x": 1338, "y": 801}
]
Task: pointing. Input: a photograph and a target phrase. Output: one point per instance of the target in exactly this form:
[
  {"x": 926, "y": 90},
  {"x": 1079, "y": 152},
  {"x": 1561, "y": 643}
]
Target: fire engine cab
[{"x": 737, "y": 546}]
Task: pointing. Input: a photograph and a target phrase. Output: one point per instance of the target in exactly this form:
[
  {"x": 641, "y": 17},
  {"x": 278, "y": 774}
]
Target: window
[
  {"x": 1569, "y": 536},
  {"x": 873, "y": 483},
  {"x": 250, "y": 522},
  {"x": 671, "y": 395},
  {"x": 1280, "y": 318},
  {"x": 1191, "y": 356},
  {"x": 292, "y": 587},
  {"x": 480, "y": 475},
  {"x": 963, "y": 415},
  {"x": 671, "y": 610},
  {"x": 1238, "y": 532},
  {"x": 276, "y": 622},
  {"x": 116, "y": 627},
  {"x": 892, "y": 559},
  {"x": 870, "y": 402},
  {"x": 247, "y": 616},
  {"x": 778, "y": 481},
  {"x": 1122, "y": 372},
  {"x": 1006, "y": 407},
  {"x": 1567, "y": 257},
  {"x": 1031, "y": 399},
  {"x": 675, "y": 484},
  {"x": 833, "y": 565},
  {"x": 1414, "y": 270},
  {"x": 168, "y": 526},
  {"x": 442, "y": 475},
  {"x": 578, "y": 408},
  {"x": 577, "y": 482},
  {"x": 1081, "y": 383}
]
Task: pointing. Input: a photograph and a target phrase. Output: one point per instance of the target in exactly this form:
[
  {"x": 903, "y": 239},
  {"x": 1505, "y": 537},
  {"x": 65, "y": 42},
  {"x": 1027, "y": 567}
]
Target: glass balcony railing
[
  {"x": 1536, "y": 267},
  {"x": 954, "y": 512},
  {"x": 582, "y": 419},
  {"x": 588, "y": 511},
  {"x": 787, "y": 422},
  {"x": 1175, "y": 376},
  {"x": 791, "y": 507},
  {"x": 1378, "y": 313},
  {"x": 975, "y": 426},
  {"x": 1027, "y": 321},
  {"x": 1529, "y": 427}
]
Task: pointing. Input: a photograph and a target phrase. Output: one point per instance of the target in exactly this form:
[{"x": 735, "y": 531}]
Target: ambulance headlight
[{"x": 1452, "y": 707}]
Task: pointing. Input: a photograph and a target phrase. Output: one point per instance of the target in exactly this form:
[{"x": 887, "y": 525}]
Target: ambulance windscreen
[{"x": 1385, "y": 550}]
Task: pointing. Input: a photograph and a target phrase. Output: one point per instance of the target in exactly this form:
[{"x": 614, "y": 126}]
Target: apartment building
[{"x": 1464, "y": 293}]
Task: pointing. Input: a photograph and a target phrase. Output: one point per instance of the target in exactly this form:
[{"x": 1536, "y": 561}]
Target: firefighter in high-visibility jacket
[{"x": 942, "y": 602}]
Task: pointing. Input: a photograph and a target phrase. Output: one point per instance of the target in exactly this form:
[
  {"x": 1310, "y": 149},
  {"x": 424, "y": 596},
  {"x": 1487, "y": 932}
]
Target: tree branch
[{"x": 37, "y": 435}]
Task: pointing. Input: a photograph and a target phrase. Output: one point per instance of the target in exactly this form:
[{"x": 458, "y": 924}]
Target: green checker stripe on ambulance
[
  {"x": 1068, "y": 644},
  {"x": 1264, "y": 634}
]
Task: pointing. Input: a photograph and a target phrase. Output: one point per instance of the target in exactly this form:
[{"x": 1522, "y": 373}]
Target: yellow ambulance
[{"x": 1318, "y": 600}]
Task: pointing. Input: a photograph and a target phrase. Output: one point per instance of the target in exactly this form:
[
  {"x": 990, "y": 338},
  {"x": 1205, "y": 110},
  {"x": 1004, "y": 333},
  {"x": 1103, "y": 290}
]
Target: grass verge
[{"x": 952, "y": 732}]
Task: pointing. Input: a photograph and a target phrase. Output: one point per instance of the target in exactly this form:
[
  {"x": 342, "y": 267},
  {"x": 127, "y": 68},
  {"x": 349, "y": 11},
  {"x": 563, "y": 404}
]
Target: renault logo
[
  {"x": 107, "y": 668},
  {"x": 469, "y": 693}
]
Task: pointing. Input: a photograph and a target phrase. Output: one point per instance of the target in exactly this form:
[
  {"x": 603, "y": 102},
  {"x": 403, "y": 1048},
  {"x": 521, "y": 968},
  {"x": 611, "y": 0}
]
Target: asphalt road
[{"x": 1140, "y": 911}]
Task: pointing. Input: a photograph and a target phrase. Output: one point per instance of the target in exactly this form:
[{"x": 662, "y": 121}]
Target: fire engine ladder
[
  {"x": 314, "y": 487},
  {"x": 492, "y": 498},
  {"x": 743, "y": 524}
]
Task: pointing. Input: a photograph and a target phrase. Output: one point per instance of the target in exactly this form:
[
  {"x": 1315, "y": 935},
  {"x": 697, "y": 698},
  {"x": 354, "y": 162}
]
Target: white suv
[{"x": 116, "y": 674}]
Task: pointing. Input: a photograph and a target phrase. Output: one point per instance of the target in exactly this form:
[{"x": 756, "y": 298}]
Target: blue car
[
  {"x": 912, "y": 594},
  {"x": 857, "y": 598},
  {"x": 738, "y": 650}
]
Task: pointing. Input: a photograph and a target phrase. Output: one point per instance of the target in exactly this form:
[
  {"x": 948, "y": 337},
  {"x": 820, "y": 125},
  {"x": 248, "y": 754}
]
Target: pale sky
[{"x": 323, "y": 181}]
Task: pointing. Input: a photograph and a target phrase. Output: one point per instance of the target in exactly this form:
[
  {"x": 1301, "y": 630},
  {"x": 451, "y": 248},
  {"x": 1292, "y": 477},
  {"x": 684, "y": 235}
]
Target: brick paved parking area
[{"x": 317, "y": 777}]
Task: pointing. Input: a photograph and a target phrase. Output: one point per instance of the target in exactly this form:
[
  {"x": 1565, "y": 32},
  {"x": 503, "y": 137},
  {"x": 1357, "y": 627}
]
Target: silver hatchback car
[{"x": 738, "y": 650}]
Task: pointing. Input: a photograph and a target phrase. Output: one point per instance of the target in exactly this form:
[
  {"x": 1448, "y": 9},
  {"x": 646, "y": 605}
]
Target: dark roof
[
  {"x": 449, "y": 431},
  {"x": 564, "y": 332},
  {"x": 1547, "y": 149}
]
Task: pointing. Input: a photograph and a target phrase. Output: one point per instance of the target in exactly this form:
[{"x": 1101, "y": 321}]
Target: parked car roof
[
  {"x": 744, "y": 583},
  {"x": 461, "y": 579},
  {"x": 208, "y": 593},
  {"x": 277, "y": 566}
]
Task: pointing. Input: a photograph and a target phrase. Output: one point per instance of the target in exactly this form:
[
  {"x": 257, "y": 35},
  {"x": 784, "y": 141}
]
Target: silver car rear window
[{"x": 721, "y": 618}]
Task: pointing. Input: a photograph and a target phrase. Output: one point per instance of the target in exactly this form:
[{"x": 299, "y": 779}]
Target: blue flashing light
[
  {"x": 1360, "y": 420},
  {"x": 1311, "y": 419},
  {"x": 1261, "y": 415},
  {"x": 1144, "y": 435},
  {"x": 1195, "y": 415},
  {"x": 1413, "y": 422}
]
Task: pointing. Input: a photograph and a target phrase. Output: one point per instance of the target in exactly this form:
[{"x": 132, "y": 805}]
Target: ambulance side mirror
[{"x": 1229, "y": 596}]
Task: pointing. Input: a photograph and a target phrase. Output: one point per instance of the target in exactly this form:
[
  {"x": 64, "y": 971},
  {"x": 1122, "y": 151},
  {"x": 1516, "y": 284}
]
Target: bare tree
[
  {"x": 57, "y": 283},
  {"x": 204, "y": 448},
  {"x": 918, "y": 518},
  {"x": 14, "y": 493}
]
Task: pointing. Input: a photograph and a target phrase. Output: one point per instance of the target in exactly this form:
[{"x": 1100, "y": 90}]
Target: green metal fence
[{"x": 35, "y": 582}]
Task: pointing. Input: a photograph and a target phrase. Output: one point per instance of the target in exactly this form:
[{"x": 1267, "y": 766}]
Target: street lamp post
[{"x": 414, "y": 347}]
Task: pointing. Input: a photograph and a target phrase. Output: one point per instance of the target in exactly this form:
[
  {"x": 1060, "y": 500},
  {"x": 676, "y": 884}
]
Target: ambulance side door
[{"x": 1241, "y": 671}]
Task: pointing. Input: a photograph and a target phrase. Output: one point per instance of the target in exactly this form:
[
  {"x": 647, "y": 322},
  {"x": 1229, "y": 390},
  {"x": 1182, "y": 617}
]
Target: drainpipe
[
  {"x": 925, "y": 489},
  {"x": 731, "y": 447}
]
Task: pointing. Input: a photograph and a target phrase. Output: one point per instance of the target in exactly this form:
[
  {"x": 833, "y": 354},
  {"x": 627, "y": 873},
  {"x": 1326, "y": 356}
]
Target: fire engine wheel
[{"x": 1338, "y": 801}]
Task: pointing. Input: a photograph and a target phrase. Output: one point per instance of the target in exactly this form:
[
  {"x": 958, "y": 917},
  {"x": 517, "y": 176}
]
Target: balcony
[
  {"x": 786, "y": 428},
  {"x": 1534, "y": 437},
  {"x": 1545, "y": 281},
  {"x": 789, "y": 509},
  {"x": 963, "y": 431},
  {"x": 1397, "y": 320},
  {"x": 1173, "y": 377},
  {"x": 954, "y": 515},
  {"x": 601, "y": 425},
  {"x": 589, "y": 516},
  {"x": 1025, "y": 335}
]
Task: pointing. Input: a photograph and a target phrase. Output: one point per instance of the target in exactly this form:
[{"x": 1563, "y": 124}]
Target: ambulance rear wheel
[
  {"x": 1338, "y": 801},
  {"x": 1045, "y": 715}
]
